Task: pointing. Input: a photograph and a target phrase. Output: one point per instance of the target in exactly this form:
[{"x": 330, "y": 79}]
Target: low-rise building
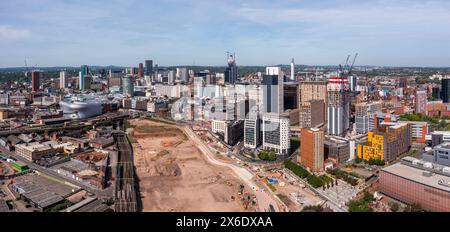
[
  {"x": 441, "y": 154},
  {"x": 33, "y": 151},
  {"x": 415, "y": 181}
]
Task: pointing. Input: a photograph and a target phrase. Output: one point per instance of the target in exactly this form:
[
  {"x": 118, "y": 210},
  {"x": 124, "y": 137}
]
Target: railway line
[{"x": 124, "y": 191}]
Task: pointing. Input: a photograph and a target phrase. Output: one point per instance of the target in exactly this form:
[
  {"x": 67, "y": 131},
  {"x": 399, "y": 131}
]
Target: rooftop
[
  {"x": 420, "y": 175},
  {"x": 34, "y": 147}
]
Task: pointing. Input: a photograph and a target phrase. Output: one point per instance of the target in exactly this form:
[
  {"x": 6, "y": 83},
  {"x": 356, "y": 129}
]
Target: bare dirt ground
[{"x": 174, "y": 176}]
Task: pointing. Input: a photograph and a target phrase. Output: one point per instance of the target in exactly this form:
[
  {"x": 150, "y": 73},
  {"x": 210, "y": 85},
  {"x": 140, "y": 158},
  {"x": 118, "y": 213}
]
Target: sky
[{"x": 199, "y": 32}]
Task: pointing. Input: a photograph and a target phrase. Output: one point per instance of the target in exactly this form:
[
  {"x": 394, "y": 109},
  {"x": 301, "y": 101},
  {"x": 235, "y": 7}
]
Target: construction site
[{"x": 173, "y": 175}]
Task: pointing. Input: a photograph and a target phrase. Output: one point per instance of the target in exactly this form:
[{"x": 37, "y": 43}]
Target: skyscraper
[
  {"x": 292, "y": 70},
  {"x": 338, "y": 105},
  {"x": 421, "y": 102},
  {"x": 84, "y": 71},
  {"x": 128, "y": 86},
  {"x": 273, "y": 91},
  {"x": 445, "y": 94},
  {"x": 170, "y": 77},
  {"x": 312, "y": 149},
  {"x": 182, "y": 74},
  {"x": 231, "y": 71},
  {"x": 63, "y": 80},
  {"x": 311, "y": 114},
  {"x": 141, "y": 70},
  {"x": 148, "y": 67},
  {"x": 308, "y": 91},
  {"x": 35, "y": 76}
]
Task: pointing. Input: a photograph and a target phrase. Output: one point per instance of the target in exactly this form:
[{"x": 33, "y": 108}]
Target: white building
[
  {"x": 182, "y": 75},
  {"x": 252, "y": 131},
  {"x": 273, "y": 70},
  {"x": 63, "y": 80},
  {"x": 276, "y": 133}
]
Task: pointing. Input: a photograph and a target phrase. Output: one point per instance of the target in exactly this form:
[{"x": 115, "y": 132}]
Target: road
[
  {"x": 263, "y": 197},
  {"x": 100, "y": 193}
]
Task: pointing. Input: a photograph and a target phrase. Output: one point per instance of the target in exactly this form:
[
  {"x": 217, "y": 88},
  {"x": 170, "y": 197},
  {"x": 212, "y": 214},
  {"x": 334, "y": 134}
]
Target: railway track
[{"x": 125, "y": 192}]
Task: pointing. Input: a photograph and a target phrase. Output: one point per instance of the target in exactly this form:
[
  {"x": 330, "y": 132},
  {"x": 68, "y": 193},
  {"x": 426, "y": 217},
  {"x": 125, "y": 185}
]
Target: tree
[
  {"x": 413, "y": 208},
  {"x": 312, "y": 208},
  {"x": 394, "y": 206}
]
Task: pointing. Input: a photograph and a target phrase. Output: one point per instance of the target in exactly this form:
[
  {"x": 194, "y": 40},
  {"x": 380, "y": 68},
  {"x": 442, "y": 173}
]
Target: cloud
[
  {"x": 10, "y": 33},
  {"x": 374, "y": 18}
]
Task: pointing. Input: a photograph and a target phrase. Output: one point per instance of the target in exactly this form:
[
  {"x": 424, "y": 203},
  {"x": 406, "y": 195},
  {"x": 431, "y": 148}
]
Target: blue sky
[{"x": 263, "y": 32}]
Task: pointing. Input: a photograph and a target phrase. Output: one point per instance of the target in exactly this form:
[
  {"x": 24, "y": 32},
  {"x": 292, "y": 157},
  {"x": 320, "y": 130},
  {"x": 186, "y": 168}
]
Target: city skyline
[{"x": 386, "y": 33}]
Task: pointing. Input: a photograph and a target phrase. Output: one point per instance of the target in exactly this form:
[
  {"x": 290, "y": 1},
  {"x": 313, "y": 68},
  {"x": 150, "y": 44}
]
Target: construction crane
[
  {"x": 353, "y": 63},
  {"x": 346, "y": 69}
]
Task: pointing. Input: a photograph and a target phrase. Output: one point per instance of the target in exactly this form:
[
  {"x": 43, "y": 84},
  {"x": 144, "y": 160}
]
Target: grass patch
[
  {"x": 64, "y": 205},
  {"x": 349, "y": 177},
  {"x": 313, "y": 180},
  {"x": 267, "y": 155},
  {"x": 361, "y": 205}
]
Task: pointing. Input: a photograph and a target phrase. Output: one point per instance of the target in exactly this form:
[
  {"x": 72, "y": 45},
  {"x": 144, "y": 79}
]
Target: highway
[
  {"x": 124, "y": 189},
  {"x": 264, "y": 198}
]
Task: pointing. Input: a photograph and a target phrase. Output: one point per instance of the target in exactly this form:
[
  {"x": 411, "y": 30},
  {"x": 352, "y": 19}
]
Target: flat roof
[{"x": 416, "y": 175}]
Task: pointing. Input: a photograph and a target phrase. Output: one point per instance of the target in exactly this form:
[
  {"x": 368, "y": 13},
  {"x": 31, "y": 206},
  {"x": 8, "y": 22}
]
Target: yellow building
[
  {"x": 3, "y": 114},
  {"x": 373, "y": 149},
  {"x": 386, "y": 143}
]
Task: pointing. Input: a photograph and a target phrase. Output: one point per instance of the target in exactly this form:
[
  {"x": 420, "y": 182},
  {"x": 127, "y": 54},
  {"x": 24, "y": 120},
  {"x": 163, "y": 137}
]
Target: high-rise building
[
  {"x": 292, "y": 70},
  {"x": 445, "y": 91},
  {"x": 421, "y": 102},
  {"x": 87, "y": 82},
  {"x": 353, "y": 82},
  {"x": 338, "y": 105},
  {"x": 141, "y": 70},
  {"x": 312, "y": 149},
  {"x": 276, "y": 133},
  {"x": 170, "y": 77},
  {"x": 436, "y": 92},
  {"x": 35, "y": 82},
  {"x": 182, "y": 75},
  {"x": 273, "y": 91},
  {"x": 273, "y": 71},
  {"x": 148, "y": 67},
  {"x": 252, "y": 131},
  {"x": 365, "y": 116},
  {"x": 231, "y": 71},
  {"x": 128, "y": 86},
  {"x": 63, "y": 80},
  {"x": 290, "y": 95},
  {"x": 84, "y": 71},
  {"x": 312, "y": 90},
  {"x": 312, "y": 114}
]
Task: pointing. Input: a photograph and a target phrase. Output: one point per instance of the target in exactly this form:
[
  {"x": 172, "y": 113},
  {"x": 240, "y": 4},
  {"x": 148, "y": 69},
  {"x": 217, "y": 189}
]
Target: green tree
[
  {"x": 415, "y": 207},
  {"x": 394, "y": 206}
]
